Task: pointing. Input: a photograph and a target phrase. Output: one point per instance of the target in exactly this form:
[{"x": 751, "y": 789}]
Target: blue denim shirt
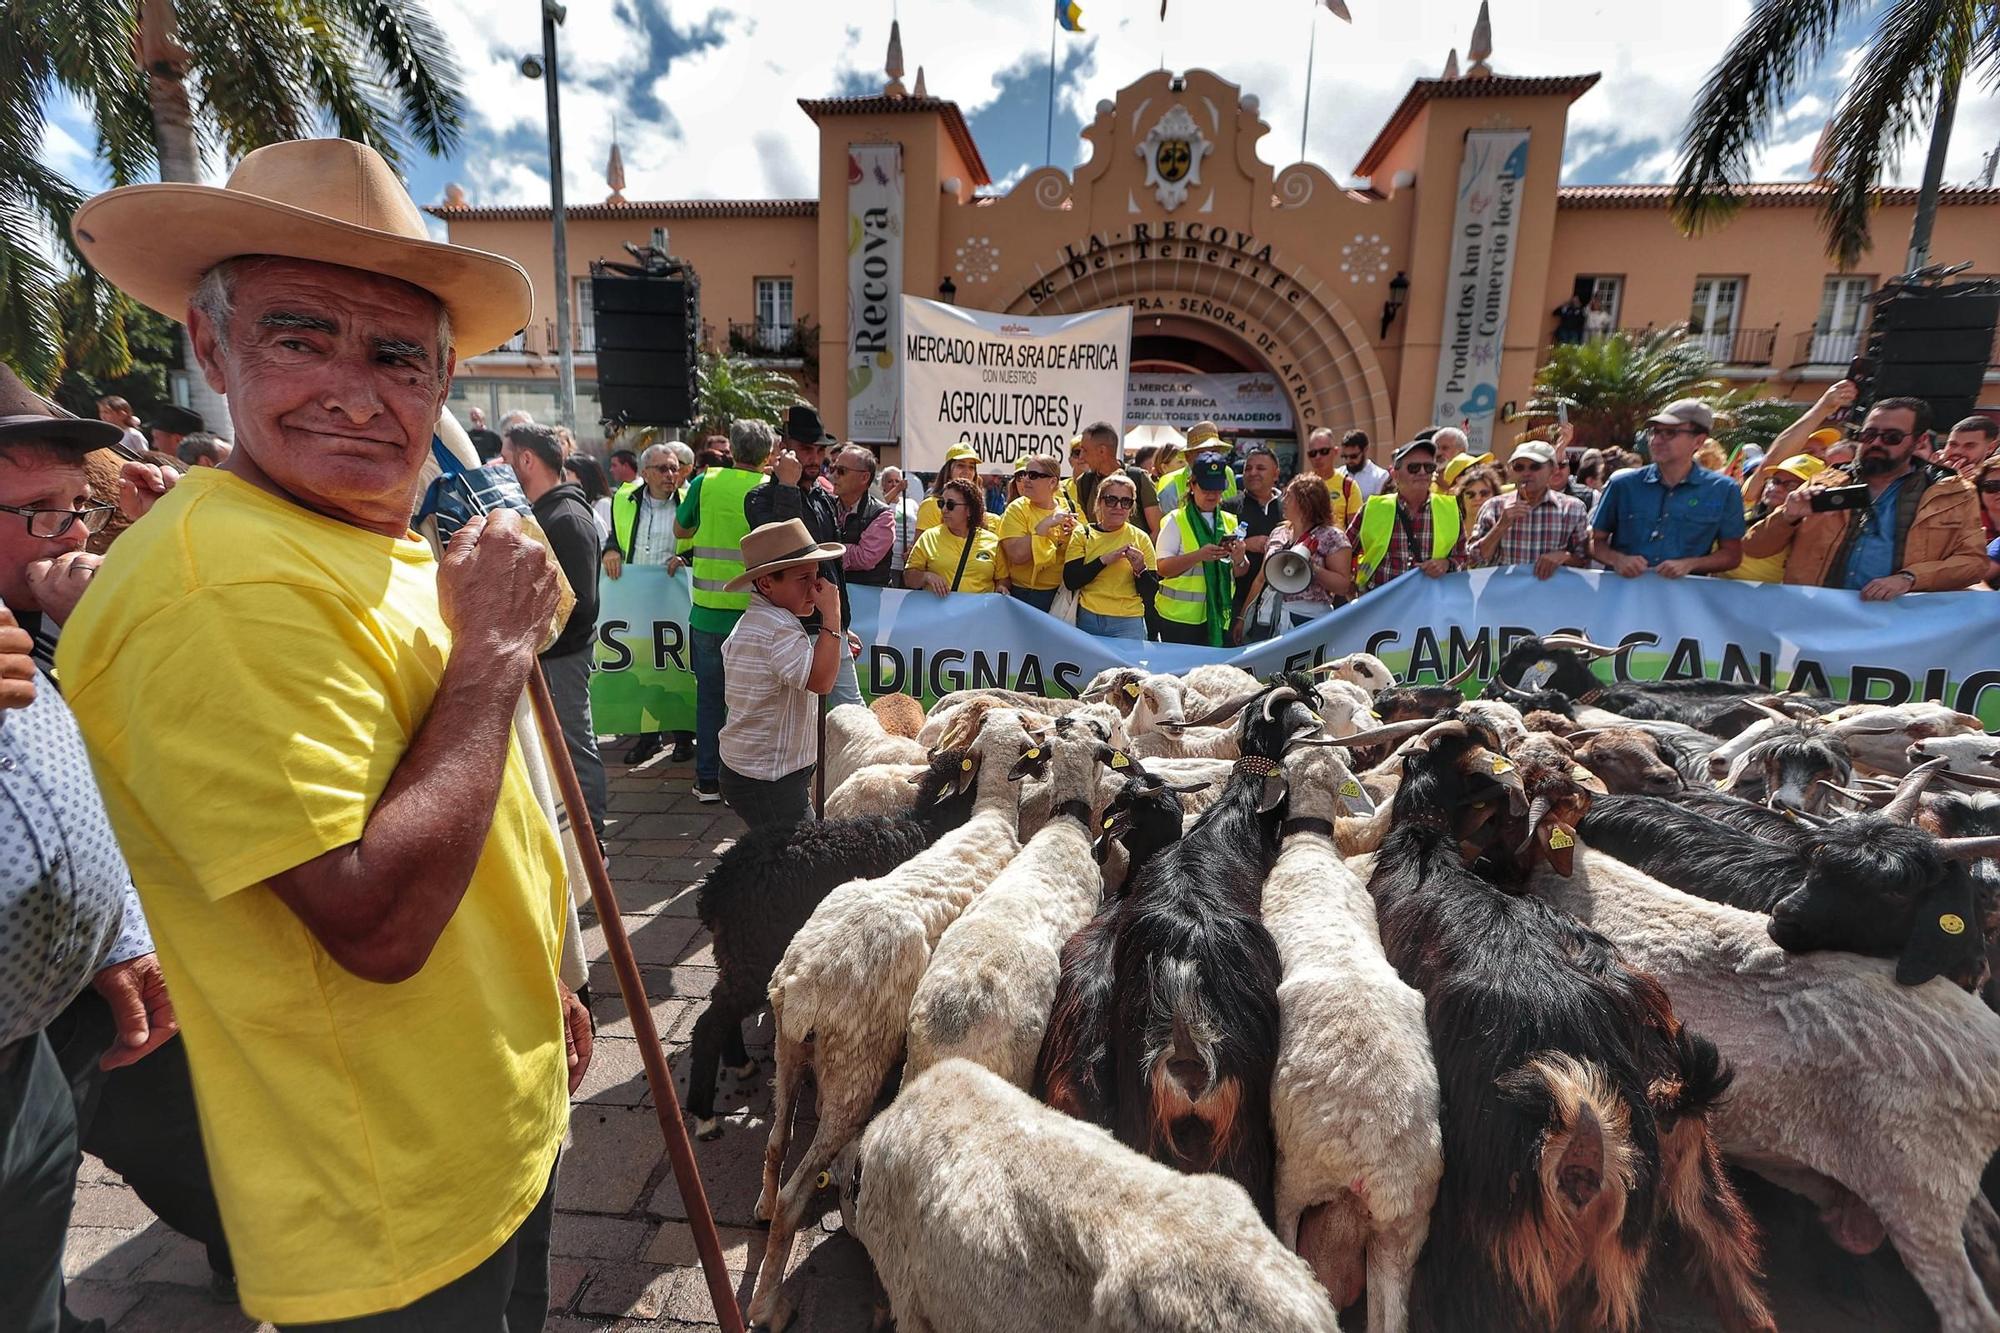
[
  {"x": 67, "y": 907},
  {"x": 1659, "y": 522},
  {"x": 1873, "y": 554}
]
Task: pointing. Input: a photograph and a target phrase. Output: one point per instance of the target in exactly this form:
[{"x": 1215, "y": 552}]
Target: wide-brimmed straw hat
[
  {"x": 777, "y": 546},
  {"x": 328, "y": 200},
  {"x": 26, "y": 416}
]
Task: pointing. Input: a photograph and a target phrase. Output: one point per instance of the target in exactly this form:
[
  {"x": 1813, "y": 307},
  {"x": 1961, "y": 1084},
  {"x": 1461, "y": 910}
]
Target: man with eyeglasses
[
  {"x": 1410, "y": 526},
  {"x": 1323, "y": 457},
  {"x": 1671, "y": 517},
  {"x": 866, "y": 524},
  {"x": 1368, "y": 476},
  {"x": 1919, "y": 532},
  {"x": 1536, "y": 524}
]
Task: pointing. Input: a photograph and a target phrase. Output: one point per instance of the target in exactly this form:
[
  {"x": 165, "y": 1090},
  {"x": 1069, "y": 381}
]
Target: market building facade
[{"x": 1271, "y": 297}]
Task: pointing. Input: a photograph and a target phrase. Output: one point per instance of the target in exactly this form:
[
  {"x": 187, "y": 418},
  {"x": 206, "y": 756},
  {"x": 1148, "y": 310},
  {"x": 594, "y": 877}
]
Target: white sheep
[
  {"x": 1345, "y": 707},
  {"x": 991, "y": 980},
  {"x": 1368, "y": 671},
  {"x": 1976, "y": 755},
  {"x": 1880, "y": 736},
  {"x": 1188, "y": 743},
  {"x": 878, "y": 789},
  {"x": 1851, "y": 1089},
  {"x": 855, "y": 739},
  {"x": 1354, "y": 1099},
  {"x": 1501, "y": 717},
  {"x": 987, "y": 1212},
  {"x": 840, "y": 997},
  {"x": 1214, "y": 682}
]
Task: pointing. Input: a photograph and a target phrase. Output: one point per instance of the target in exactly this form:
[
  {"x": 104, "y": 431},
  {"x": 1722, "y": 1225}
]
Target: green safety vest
[
  {"x": 625, "y": 503},
  {"x": 1378, "y": 521},
  {"x": 1183, "y": 598},
  {"x": 720, "y": 528}
]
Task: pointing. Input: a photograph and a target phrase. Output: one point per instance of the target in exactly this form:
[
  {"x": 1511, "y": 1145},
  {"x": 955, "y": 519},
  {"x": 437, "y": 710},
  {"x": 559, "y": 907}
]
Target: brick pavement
[{"x": 623, "y": 1258}]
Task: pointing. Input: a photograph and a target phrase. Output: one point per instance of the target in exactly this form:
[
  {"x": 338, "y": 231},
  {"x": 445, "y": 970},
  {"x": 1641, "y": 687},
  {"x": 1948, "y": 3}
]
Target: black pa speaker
[
  {"x": 648, "y": 334},
  {"x": 1934, "y": 343}
]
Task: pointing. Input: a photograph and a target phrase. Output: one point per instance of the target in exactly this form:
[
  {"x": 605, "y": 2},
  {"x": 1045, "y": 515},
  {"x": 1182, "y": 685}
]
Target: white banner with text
[
  {"x": 874, "y": 279},
  {"x": 1255, "y": 402},
  {"x": 1484, "y": 228}
]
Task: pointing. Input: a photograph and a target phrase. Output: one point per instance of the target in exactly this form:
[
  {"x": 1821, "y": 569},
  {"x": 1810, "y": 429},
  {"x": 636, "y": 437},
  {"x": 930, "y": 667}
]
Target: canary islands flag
[{"x": 1070, "y": 15}]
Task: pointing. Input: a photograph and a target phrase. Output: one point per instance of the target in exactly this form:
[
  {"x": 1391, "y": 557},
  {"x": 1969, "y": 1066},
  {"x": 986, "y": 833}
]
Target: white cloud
[{"x": 732, "y": 126}]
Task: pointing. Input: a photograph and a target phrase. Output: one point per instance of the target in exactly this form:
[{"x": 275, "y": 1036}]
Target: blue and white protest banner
[
  {"x": 1827, "y": 641},
  {"x": 645, "y": 674}
]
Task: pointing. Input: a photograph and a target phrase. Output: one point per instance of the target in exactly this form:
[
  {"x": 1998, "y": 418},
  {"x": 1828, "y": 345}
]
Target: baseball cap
[
  {"x": 960, "y": 451},
  {"x": 1425, "y": 433},
  {"x": 1539, "y": 450},
  {"x": 1210, "y": 471},
  {"x": 1825, "y": 436},
  {"x": 1803, "y": 466},
  {"x": 1464, "y": 462},
  {"x": 1414, "y": 445},
  {"x": 1685, "y": 412}
]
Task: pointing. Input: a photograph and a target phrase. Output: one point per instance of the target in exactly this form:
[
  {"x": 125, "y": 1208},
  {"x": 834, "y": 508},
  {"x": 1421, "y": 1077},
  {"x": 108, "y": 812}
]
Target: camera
[{"x": 1836, "y": 498}]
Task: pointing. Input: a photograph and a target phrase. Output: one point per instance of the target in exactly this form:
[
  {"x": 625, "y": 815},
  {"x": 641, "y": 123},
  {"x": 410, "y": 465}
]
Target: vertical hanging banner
[
  {"x": 1484, "y": 229},
  {"x": 874, "y": 282},
  {"x": 1011, "y": 385}
]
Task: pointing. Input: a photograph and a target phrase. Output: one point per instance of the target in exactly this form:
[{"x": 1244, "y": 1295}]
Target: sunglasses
[
  {"x": 950, "y": 505},
  {"x": 1318, "y": 453},
  {"x": 1115, "y": 501},
  {"x": 1888, "y": 435},
  {"x": 1989, "y": 488},
  {"x": 1039, "y": 476},
  {"x": 1664, "y": 431},
  {"x": 1420, "y": 469},
  {"x": 842, "y": 469},
  {"x": 1526, "y": 466}
]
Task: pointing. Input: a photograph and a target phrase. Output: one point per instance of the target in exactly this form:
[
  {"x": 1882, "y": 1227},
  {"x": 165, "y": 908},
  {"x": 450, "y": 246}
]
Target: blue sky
[{"x": 704, "y": 95}]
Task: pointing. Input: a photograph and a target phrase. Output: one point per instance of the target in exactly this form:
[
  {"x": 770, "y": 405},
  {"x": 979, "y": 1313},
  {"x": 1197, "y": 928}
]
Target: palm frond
[
  {"x": 1732, "y": 115},
  {"x": 414, "y": 63},
  {"x": 1611, "y": 384},
  {"x": 28, "y": 320},
  {"x": 252, "y": 76},
  {"x": 1920, "y": 47},
  {"x": 346, "y": 95}
]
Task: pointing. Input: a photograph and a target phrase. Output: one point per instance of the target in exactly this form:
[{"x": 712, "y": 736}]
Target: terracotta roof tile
[
  {"x": 1422, "y": 91},
  {"x": 1767, "y": 195},
  {"x": 669, "y": 210},
  {"x": 954, "y": 123}
]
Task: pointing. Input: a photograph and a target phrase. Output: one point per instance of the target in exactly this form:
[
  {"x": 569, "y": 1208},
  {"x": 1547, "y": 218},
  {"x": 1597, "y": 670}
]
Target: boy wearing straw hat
[
  {"x": 776, "y": 670},
  {"x": 362, "y": 940}
]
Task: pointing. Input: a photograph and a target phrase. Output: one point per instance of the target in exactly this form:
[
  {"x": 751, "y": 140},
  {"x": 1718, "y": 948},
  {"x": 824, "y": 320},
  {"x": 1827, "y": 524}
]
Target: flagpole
[
  {"x": 1049, "y": 139},
  {"x": 1312, "y": 44}
]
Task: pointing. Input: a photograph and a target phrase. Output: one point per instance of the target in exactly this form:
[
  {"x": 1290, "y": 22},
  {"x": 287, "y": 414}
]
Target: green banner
[{"x": 645, "y": 665}]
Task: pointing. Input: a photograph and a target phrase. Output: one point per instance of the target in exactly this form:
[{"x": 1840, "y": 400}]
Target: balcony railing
[
  {"x": 1818, "y": 347},
  {"x": 761, "y": 341},
  {"x": 1740, "y": 347}
]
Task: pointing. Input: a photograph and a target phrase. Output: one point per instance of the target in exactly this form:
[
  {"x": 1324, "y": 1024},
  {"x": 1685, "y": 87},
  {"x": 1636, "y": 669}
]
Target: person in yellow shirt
[
  {"x": 961, "y": 463},
  {"x": 1777, "y": 483},
  {"x": 962, "y": 553},
  {"x": 357, "y": 901},
  {"x": 1034, "y": 532},
  {"x": 1323, "y": 457},
  {"x": 1111, "y": 566}
]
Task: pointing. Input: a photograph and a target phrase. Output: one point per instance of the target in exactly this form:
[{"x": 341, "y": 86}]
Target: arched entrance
[{"x": 1202, "y": 286}]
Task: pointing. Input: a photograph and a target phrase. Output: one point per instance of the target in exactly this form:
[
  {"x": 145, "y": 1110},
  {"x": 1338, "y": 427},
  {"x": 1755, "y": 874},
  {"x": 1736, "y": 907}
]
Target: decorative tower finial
[
  {"x": 454, "y": 195},
  {"x": 919, "y": 90},
  {"x": 894, "y": 67},
  {"x": 614, "y": 170},
  {"x": 1451, "y": 65},
  {"x": 1481, "y": 49}
]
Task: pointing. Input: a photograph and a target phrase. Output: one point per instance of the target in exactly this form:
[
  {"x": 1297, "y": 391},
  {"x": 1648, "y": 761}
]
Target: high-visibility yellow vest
[
  {"x": 718, "y": 538},
  {"x": 1184, "y": 597},
  {"x": 1378, "y": 521},
  {"x": 625, "y": 504}
]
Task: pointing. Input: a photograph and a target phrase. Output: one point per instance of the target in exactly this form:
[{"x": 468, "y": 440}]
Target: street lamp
[
  {"x": 552, "y": 15},
  {"x": 1399, "y": 291},
  {"x": 948, "y": 291}
]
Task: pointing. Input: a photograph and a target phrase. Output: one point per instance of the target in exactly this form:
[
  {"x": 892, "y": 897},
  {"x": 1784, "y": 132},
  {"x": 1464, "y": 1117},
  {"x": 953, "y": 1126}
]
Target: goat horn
[
  {"x": 1538, "y": 810},
  {"x": 1777, "y": 714},
  {"x": 1973, "y": 780},
  {"x": 1841, "y": 728},
  {"x": 1391, "y": 734},
  {"x": 1328, "y": 668},
  {"x": 1514, "y": 690},
  {"x": 1222, "y": 712},
  {"x": 1580, "y": 644},
  {"x": 1862, "y": 795},
  {"x": 1902, "y": 807},
  {"x": 1585, "y": 734},
  {"x": 1970, "y": 849},
  {"x": 1462, "y": 676}
]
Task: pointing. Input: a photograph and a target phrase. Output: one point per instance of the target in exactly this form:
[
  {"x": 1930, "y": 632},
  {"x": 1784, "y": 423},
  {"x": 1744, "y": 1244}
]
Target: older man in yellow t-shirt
[{"x": 301, "y": 723}]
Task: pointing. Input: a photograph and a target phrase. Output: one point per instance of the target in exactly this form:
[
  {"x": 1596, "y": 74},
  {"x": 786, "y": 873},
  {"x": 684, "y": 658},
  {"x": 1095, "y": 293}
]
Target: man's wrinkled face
[
  {"x": 334, "y": 383},
  {"x": 33, "y": 478}
]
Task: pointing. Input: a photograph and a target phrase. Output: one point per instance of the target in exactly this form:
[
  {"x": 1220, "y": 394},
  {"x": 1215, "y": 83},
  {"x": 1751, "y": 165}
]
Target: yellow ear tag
[
  {"x": 1722, "y": 784},
  {"x": 1118, "y": 759},
  {"x": 1377, "y": 716},
  {"x": 1034, "y": 752},
  {"x": 822, "y": 1180},
  {"x": 1502, "y": 766},
  {"x": 1132, "y": 689},
  {"x": 1107, "y": 821},
  {"x": 965, "y": 765},
  {"x": 1560, "y": 839},
  {"x": 1581, "y": 774},
  {"x": 1951, "y": 923},
  {"x": 1350, "y": 788}
]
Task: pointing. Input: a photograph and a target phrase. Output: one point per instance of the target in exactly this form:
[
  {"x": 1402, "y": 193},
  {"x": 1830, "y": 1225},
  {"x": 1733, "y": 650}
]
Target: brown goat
[
  {"x": 899, "y": 714},
  {"x": 1629, "y": 761}
]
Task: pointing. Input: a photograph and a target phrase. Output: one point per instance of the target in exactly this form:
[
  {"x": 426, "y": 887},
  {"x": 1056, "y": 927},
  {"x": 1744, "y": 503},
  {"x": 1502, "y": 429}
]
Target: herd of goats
[{"x": 1202, "y": 1002}]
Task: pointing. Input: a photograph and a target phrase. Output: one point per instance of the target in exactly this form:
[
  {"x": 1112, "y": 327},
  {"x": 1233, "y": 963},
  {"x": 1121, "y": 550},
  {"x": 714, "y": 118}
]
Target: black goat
[
  {"x": 766, "y": 886},
  {"x": 1974, "y": 815},
  {"x": 1165, "y": 1027},
  {"x": 1572, "y": 1103},
  {"x": 1562, "y": 663},
  {"x": 1869, "y": 884},
  {"x": 1144, "y": 816},
  {"x": 1786, "y": 765}
]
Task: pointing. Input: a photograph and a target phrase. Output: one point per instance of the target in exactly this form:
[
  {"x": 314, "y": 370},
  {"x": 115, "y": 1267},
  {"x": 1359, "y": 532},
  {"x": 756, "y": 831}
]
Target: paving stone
[
  {"x": 100, "y": 1300},
  {"x": 611, "y": 1156},
  {"x": 589, "y": 1236},
  {"x": 664, "y": 940},
  {"x": 181, "y": 1261},
  {"x": 673, "y": 1018},
  {"x": 617, "y": 1074},
  {"x": 698, "y": 950},
  {"x": 673, "y": 1245},
  {"x": 565, "y": 1279},
  {"x": 664, "y": 826},
  {"x": 689, "y": 1300},
  {"x": 662, "y": 983},
  {"x": 732, "y": 1169},
  {"x": 108, "y": 1254},
  {"x": 168, "y": 1309},
  {"x": 108, "y": 1205},
  {"x": 617, "y": 1289}
]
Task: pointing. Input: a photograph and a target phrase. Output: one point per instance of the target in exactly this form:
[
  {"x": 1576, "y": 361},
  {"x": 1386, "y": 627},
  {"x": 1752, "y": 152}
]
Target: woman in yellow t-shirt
[
  {"x": 962, "y": 553},
  {"x": 961, "y": 463},
  {"x": 1111, "y": 565},
  {"x": 1034, "y": 532}
]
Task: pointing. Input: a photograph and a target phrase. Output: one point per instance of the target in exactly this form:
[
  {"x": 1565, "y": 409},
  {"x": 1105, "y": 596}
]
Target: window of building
[
  {"x": 586, "y": 317},
  {"x": 774, "y": 312},
  {"x": 1714, "y": 313},
  {"x": 1843, "y": 313},
  {"x": 1601, "y": 294}
]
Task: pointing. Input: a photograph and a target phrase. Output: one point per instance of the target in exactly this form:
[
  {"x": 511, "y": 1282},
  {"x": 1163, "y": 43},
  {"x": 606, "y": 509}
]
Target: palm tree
[
  {"x": 1611, "y": 385},
  {"x": 734, "y": 389},
  {"x": 261, "y": 70},
  {"x": 1916, "y": 58}
]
